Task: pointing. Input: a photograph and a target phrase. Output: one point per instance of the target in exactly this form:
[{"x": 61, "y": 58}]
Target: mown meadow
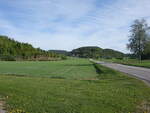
[
  {"x": 70, "y": 86},
  {"x": 70, "y": 69}
]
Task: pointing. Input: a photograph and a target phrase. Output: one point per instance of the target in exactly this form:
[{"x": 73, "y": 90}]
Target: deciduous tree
[{"x": 138, "y": 37}]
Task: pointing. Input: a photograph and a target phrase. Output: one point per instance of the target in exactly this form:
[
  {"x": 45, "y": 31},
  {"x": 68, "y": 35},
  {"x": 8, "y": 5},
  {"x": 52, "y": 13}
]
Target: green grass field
[
  {"x": 71, "y": 86},
  {"x": 131, "y": 62},
  {"x": 69, "y": 69}
]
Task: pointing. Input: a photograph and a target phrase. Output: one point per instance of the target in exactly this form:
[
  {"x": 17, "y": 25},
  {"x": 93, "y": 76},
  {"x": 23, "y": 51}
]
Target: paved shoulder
[{"x": 142, "y": 73}]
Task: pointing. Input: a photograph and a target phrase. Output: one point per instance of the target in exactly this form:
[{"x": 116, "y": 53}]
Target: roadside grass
[
  {"x": 131, "y": 62},
  {"x": 111, "y": 92}
]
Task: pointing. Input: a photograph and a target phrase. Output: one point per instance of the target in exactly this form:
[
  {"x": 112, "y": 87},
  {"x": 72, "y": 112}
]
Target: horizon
[{"x": 73, "y": 24}]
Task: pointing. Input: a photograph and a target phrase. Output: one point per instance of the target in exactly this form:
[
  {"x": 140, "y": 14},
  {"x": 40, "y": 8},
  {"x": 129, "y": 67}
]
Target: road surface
[{"x": 139, "y": 72}]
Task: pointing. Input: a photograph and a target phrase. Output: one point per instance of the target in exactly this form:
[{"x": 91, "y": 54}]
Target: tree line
[{"x": 14, "y": 50}]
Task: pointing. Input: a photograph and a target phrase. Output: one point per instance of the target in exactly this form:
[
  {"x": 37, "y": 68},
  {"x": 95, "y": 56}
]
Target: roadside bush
[
  {"x": 7, "y": 58},
  {"x": 63, "y": 57},
  {"x": 120, "y": 58}
]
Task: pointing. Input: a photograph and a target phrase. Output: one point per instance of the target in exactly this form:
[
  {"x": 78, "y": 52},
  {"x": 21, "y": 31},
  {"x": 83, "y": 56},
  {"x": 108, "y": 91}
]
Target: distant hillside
[
  {"x": 59, "y": 52},
  {"x": 86, "y": 52},
  {"x": 14, "y": 50},
  {"x": 110, "y": 53},
  {"x": 96, "y": 52}
]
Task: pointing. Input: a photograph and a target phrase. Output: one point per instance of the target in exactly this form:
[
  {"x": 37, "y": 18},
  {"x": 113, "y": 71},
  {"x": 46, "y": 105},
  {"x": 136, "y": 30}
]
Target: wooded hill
[
  {"x": 63, "y": 52},
  {"x": 96, "y": 52},
  {"x": 14, "y": 50}
]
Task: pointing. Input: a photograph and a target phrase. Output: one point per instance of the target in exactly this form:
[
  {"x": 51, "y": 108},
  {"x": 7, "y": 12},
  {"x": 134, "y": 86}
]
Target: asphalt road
[{"x": 139, "y": 72}]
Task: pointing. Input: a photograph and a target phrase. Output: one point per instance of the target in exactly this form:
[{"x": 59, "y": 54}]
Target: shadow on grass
[
  {"x": 106, "y": 73},
  {"x": 57, "y": 77},
  {"x": 50, "y": 77},
  {"x": 78, "y": 65},
  {"x": 98, "y": 70},
  {"x": 16, "y": 75}
]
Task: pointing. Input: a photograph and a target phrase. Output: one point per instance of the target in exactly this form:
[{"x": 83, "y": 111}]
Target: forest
[{"x": 11, "y": 50}]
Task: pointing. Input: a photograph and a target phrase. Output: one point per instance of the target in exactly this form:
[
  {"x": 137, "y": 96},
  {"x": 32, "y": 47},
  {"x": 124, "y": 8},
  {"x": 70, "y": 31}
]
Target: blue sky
[{"x": 69, "y": 24}]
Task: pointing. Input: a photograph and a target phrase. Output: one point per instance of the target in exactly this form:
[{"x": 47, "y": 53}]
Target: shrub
[
  {"x": 7, "y": 58},
  {"x": 63, "y": 57}
]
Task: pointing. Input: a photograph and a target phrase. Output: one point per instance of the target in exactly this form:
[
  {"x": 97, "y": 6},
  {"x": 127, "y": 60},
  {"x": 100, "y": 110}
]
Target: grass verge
[{"x": 130, "y": 62}]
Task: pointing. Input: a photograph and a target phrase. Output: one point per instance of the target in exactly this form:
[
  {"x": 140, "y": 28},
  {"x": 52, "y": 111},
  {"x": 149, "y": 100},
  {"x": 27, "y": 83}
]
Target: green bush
[
  {"x": 7, "y": 58},
  {"x": 63, "y": 57}
]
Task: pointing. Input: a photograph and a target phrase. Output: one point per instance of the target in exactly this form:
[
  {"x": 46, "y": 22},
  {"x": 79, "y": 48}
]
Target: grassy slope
[
  {"x": 112, "y": 93},
  {"x": 132, "y": 62}
]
